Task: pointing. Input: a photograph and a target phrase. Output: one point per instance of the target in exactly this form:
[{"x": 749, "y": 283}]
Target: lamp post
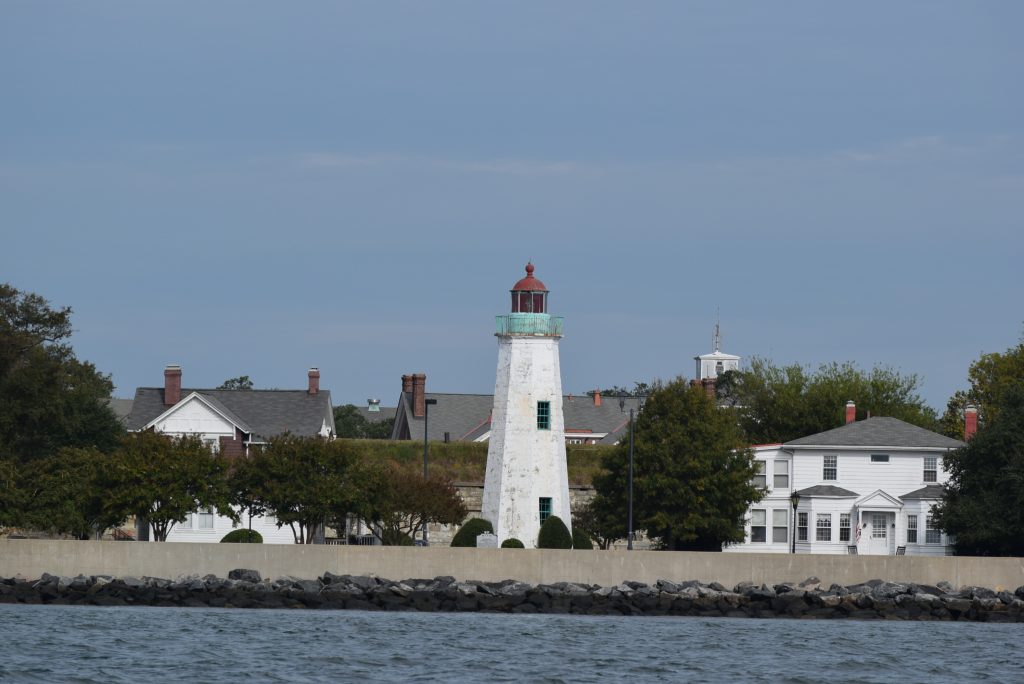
[
  {"x": 629, "y": 496},
  {"x": 794, "y": 499},
  {"x": 427, "y": 403}
]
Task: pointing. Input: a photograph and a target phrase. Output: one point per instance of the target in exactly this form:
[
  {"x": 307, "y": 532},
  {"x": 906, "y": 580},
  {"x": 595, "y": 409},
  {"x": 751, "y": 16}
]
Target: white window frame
[
  {"x": 834, "y": 467},
  {"x": 933, "y": 461},
  {"x": 784, "y": 474},
  {"x": 760, "y": 479},
  {"x": 206, "y": 519},
  {"x": 932, "y": 534},
  {"x": 823, "y": 530},
  {"x": 912, "y": 528},
  {"x": 882, "y": 459},
  {"x": 844, "y": 527},
  {"x": 756, "y": 515},
  {"x": 801, "y": 526},
  {"x": 780, "y": 526}
]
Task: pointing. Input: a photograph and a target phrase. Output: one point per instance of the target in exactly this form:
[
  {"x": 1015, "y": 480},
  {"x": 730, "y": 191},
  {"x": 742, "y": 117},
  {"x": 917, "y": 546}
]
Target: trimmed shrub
[
  {"x": 512, "y": 543},
  {"x": 581, "y": 540},
  {"x": 242, "y": 536},
  {"x": 466, "y": 536},
  {"x": 554, "y": 534}
]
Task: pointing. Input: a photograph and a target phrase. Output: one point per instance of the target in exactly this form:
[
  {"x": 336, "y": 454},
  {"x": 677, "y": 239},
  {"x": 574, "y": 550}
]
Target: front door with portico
[{"x": 877, "y": 532}]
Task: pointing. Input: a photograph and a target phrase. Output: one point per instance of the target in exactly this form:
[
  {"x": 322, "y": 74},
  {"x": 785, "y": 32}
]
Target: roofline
[
  {"x": 194, "y": 393},
  {"x": 848, "y": 447}
]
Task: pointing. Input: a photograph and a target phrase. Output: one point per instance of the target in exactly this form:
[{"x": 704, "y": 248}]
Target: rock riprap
[{"x": 872, "y": 600}]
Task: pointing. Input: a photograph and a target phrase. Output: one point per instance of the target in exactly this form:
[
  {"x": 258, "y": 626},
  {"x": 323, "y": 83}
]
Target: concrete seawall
[{"x": 32, "y": 557}]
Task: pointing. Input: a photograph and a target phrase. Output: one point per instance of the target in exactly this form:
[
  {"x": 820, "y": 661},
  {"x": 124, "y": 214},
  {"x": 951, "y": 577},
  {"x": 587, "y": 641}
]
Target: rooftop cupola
[{"x": 529, "y": 295}]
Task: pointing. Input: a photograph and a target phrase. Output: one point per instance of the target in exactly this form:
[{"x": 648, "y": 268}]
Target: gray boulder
[{"x": 245, "y": 574}]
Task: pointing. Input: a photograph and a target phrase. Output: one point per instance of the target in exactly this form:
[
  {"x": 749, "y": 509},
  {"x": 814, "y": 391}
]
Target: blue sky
[{"x": 257, "y": 188}]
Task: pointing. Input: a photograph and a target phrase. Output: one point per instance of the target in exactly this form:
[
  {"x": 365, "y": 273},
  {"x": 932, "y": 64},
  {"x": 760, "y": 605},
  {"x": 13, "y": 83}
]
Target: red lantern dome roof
[{"x": 529, "y": 283}]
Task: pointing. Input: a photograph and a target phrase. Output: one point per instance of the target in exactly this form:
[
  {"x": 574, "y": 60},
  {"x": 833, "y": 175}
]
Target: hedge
[
  {"x": 512, "y": 543},
  {"x": 467, "y": 461},
  {"x": 466, "y": 536},
  {"x": 581, "y": 540},
  {"x": 554, "y": 534},
  {"x": 242, "y": 536}
]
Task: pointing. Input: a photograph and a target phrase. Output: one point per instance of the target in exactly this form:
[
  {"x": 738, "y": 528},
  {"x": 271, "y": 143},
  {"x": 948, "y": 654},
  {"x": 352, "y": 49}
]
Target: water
[{"x": 91, "y": 644}]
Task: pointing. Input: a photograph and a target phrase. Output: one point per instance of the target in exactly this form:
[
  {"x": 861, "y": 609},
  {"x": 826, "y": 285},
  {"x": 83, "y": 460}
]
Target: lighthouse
[{"x": 526, "y": 479}]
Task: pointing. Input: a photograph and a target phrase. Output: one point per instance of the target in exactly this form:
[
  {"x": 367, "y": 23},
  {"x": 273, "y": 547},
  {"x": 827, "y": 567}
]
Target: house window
[
  {"x": 911, "y": 529},
  {"x": 780, "y": 479},
  {"x": 801, "y": 527},
  {"x": 760, "y": 480},
  {"x": 931, "y": 469},
  {"x": 543, "y": 415},
  {"x": 831, "y": 468},
  {"x": 545, "y": 508},
  {"x": 758, "y": 525},
  {"x": 823, "y": 527},
  {"x": 932, "y": 534},
  {"x": 879, "y": 458},
  {"x": 187, "y": 523},
  {"x": 780, "y": 525},
  {"x": 205, "y": 519},
  {"x": 844, "y": 527}
]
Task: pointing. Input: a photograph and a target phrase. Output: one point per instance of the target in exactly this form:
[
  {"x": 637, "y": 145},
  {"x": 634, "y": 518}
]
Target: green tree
[
  {"x": 68, "y": 493},
  {"x": 163, "y": 479},
  {"x": 48, "y": 398},
  {"x": 581, "y": 541},
  {"x": 778, "y": 404},
  {"x": 983, "y": 502},
  {"x": 349, "y": 422},
  {"x": 11, "y": 500},
  {"x": 242, "y": 382},
  {"x": 991, "y": 377},
  {"x": 303, "y": 481},
  {"x": 692, "y": 482},
  {"x": 395, "y": 502},
  {"x": 602, "y": 519}
]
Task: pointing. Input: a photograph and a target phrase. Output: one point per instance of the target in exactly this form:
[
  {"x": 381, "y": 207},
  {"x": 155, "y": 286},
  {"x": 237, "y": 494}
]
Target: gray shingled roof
[
  {"x": 932, "y": 491},
  {"x": 122, "y": 408},
  {"x": 827, "y": 490},
  {"x": 265, "y": 413},
  {"x": 878, "y": 432},
  {"x": 467, "y": 416}
]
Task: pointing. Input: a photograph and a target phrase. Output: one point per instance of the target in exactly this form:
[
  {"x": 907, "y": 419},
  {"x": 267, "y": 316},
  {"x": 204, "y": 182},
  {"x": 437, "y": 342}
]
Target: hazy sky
[{"x": 257, "y": 188}]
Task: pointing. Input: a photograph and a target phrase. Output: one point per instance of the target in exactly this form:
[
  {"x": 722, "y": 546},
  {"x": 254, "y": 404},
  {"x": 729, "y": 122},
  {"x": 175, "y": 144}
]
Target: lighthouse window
[
  {"x": 545, "y": 508},
  {"x": 543, "y": 415}
]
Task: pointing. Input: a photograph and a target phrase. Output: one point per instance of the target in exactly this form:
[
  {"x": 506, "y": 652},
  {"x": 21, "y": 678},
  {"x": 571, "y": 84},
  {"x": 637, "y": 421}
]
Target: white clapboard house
[
  {"x": 231, "y": 422},
  {"x": 867, "y": 487}
]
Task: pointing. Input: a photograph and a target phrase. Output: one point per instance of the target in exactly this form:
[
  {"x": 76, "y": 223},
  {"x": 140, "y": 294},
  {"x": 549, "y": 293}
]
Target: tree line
[{"x": 305, "y": 482}]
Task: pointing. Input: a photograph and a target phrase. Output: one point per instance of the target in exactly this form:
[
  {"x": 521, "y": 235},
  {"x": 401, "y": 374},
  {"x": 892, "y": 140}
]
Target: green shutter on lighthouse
[{"x": 543, "y": 415}]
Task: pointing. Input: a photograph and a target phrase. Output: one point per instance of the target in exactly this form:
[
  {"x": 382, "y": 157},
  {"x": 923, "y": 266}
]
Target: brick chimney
[
  {"x": 709, "y": 388},
  {"x": 172, "y": 385},
  {"x": 970, "y": 422},
  {"x": 406, "y": 384},
  {"x": 597, "y": 397},
  {"x": 314, "y": 380},
  {"x": 851, "y": 412},
  {"x": 419, "y": 395}
]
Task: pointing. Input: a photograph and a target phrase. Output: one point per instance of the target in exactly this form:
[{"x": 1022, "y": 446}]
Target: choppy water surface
[{"x": 89, "y": 644}]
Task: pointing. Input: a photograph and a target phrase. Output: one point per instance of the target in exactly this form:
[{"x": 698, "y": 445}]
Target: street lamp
[
  {"x": 427, "y": 403},
  {"x": 629, "y": 499},
  {"x": 794, "y": 499}
]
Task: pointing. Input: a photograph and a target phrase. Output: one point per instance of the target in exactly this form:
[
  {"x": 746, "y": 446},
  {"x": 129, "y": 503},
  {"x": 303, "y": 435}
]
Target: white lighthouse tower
[{"x": 526, "y": 478}]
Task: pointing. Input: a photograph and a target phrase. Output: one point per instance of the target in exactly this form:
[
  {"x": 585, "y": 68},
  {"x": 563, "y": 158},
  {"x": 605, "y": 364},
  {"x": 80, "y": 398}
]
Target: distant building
[
  {"x": 230, "y": 422},
  {"x": 867, "y": 487}
]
